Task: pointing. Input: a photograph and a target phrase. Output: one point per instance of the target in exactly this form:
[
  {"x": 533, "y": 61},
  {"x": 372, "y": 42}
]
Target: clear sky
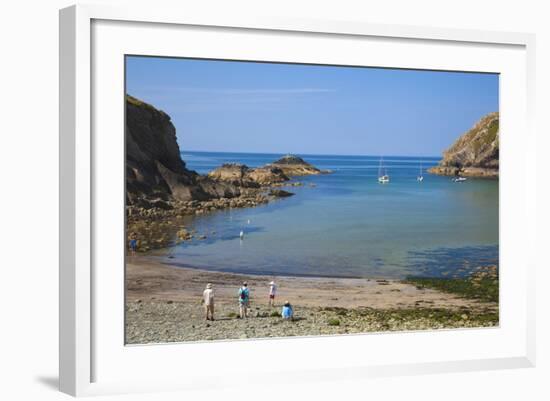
[{"x": 306, "y": 109}]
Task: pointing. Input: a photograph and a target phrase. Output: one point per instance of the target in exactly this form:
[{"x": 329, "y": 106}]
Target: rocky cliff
[
  {"x": 475, "y": 153},
  {"x": 154, "y": 168}
]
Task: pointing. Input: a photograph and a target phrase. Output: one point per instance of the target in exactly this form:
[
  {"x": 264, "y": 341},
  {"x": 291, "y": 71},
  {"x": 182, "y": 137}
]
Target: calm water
[{"x": 349, "y": 224}]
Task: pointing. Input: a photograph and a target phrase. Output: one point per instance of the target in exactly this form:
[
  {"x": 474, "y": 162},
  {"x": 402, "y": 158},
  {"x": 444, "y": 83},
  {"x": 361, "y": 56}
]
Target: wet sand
[{"x": 148, "y": 279}]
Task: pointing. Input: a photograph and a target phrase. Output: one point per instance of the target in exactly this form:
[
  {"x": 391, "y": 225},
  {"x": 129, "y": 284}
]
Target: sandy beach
[{"x": 163, "y": 304}]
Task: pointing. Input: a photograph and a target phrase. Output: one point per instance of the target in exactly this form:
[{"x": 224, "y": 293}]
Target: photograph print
[{"x": 275, "y": 199}]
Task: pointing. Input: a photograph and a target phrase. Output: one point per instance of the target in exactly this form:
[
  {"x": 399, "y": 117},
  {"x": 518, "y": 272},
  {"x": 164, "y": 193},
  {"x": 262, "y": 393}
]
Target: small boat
[
  {"x": 420, "y": 177},
  {"x": 383, "y": 178},
  {"x": 459, "y": 179}
]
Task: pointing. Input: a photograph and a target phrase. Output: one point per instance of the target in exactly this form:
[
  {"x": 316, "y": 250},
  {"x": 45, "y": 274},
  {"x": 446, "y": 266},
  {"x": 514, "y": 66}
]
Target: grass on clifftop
[
  {"x": 493, "y": 129},
  {"x": 140, "y": 103},
  {"x": 490, "y": 135}
]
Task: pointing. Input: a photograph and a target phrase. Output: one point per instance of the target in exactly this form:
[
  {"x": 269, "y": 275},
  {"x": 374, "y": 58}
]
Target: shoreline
[
  {"x": 163, "y": 304},
  {"x": 469, "y": 172},
  {"x": 269, "y": 274},
  {"x": 163, "y": 224}
]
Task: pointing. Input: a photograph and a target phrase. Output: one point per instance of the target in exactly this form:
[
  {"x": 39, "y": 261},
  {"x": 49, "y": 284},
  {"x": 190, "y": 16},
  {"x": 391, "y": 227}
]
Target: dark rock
[
  {"x": 291, "y": 159},
  {"x": 279, "y": 193},
  {"x": 292, "y": 165},
  {"x": 160, "y": 204}
]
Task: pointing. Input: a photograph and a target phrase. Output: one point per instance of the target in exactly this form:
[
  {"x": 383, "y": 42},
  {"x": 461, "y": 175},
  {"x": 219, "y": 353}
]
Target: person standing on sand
[
  {"x": 244, "y": 298},
  {"x": 208, "y": 300},
  {"x": 133, "y": 244},
  {"x": 272, "y": 292}
]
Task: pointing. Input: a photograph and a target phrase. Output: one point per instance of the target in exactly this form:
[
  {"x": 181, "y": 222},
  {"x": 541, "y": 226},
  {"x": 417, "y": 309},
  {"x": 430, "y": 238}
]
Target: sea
[{"x": 346, "y": 224}]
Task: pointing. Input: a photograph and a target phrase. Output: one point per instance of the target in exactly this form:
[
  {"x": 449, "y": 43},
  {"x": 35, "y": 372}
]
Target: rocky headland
[
  {"x": 154, "y": 169},
  {"x": 161, "y": 192},
  {"x": 475, "y": 153}
]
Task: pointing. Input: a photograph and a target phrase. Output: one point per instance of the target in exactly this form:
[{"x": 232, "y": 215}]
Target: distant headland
[{"x": 475, "y": 153}]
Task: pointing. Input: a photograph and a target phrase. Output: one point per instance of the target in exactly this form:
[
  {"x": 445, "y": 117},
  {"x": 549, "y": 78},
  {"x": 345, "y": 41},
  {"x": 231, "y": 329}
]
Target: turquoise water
[{"x": 349, "y": 225}]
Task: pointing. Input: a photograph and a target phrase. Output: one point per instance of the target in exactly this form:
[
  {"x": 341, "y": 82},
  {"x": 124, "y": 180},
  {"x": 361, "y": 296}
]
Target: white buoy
[{"x": 241, "y": 235}]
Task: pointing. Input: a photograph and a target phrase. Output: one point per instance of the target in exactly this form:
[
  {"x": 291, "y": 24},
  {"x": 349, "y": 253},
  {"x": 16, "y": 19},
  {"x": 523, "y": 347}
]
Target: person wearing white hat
[
  {"x": 287, "y": 312},
  {"x": 208, "y": 300},
  {"x": 272, "y": 292}
]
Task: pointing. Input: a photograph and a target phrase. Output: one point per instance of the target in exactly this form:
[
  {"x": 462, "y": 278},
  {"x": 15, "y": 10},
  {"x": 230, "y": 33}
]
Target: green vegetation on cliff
[{"x": 475, "y": 153}]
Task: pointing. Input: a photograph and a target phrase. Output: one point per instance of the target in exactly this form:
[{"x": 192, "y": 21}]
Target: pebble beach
[{"x": 163, "y": 304}]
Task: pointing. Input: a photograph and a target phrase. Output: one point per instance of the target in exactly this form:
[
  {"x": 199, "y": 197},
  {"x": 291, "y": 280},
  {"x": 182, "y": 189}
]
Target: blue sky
[{"x": 307, "y": 109}]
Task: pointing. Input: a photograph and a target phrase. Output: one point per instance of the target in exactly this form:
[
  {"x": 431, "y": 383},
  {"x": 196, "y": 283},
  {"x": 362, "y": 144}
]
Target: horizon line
[{"x": 308, "y": 154}]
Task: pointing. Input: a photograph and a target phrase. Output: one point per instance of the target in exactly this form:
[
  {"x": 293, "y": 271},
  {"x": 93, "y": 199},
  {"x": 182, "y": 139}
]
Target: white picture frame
[{"x": 91, "y": 363}]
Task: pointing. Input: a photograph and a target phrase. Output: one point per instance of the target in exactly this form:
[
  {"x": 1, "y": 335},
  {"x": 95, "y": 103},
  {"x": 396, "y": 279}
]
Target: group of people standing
[{"x": 287, "y": 311}]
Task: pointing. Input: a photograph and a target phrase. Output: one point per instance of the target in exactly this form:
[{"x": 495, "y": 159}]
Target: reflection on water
[{"x": 348, "y": 224}]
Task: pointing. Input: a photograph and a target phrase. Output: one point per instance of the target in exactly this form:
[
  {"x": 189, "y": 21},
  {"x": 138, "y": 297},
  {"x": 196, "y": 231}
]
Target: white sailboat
[
  {"x": 420, "y": 177},
  {"x": 383, "y": 178}
]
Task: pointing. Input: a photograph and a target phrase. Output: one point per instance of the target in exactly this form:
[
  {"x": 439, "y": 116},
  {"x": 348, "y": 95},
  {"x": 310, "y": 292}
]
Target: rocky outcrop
[
  {"x": 242, "y": 175},
  {"x": 267, "y": 175},
  {"x": 154, "y": 168},
  {"x": 279, "y": 193},
  {"x": 295, "y": 166},
  {"x": 475, "y": 153},
  {"x": 478, "y": 172},
  {"x": 233, "y": 173},
  {"x": 273, "y": 174}
]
